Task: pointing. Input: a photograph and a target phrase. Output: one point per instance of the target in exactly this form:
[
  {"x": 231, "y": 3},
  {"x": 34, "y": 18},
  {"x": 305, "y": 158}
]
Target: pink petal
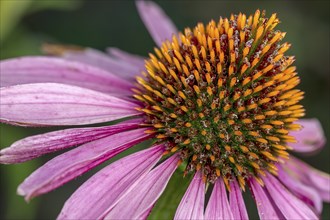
[
  {"x": 311, "y": 138},
  {"x": 302, "y": 191},
  {"x": 48, "y": 69},
  {"x": 38, "y": 145},
  {"x": 157, "y": 22},
  {"x": 145, "y": 215},
  {"x": 107, "y": 186},
  {"x": 290, "y": 206},
  {"x": 236, "y": 201},
  {"x": 192, "y": 203},
  {"x": 218, "y": 206},
  {"x": 145, "y": 194},
  {"x": 310, "y": 176},
  {"x": 133, "y": 59},
  {"x": 71, "y": 164},
  {"x": 266, "y": 208},
  {"x": 120, "y": 68},
  {"x": 59, "y": 104}
]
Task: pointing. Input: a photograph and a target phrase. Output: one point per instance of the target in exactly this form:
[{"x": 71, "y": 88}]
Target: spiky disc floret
[{"x": 222, "y": 95}]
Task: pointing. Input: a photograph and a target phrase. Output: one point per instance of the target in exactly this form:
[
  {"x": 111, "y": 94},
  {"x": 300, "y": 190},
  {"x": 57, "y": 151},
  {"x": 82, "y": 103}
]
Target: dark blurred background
[{"x": 26, "y": 24}]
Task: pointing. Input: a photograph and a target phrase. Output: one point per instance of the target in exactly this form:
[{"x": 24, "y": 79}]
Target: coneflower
[{"x": 219, "y": 100}]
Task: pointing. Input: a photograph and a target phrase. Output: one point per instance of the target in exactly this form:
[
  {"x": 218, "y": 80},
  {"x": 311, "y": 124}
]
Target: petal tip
[{"x": 21, "y": 192}]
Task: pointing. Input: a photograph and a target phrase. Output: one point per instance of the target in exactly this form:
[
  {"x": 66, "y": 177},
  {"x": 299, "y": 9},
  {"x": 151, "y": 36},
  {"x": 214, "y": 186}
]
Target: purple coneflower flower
[{"x": 218, "y": 100}]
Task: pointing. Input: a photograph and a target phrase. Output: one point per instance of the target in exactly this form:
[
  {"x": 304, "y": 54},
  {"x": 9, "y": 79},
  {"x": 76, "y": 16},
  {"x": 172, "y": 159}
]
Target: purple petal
[
  {"x": 218, "y": 206},
  {"x": 317, "y": 179},
  {"x": 157, "y": 22},
  {"x": 96, "y": 58},
  {"x": 265, "y": 206},
  {"x": 302, "y": 191},
  {"x": 71, "y": 164},
  {"x": 135, "y": 60},
  {"x": 236, "y": 202},
  {"x": 145, "y": 194},
  {"x": 106, "y": 187},
  {"x": 48, "y": 69},
  {"x": 38, "y": 145},
  {"x": 59, "y": 104},
  {"x": 311, "y": 138},
  {"x": 192, "y": 203},
  {"x": 290, "y": 206}
]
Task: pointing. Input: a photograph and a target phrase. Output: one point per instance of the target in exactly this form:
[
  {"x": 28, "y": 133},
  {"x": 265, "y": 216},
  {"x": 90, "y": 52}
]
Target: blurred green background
[{"x": 26, "y": 24}]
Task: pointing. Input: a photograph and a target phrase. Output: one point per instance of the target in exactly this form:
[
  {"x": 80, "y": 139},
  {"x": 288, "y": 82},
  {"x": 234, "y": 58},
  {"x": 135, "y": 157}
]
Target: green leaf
[
  {"x": 167, "y": 204},
  {"x": 10, "y": 13},
  {"x": 39, "y": 5},
  {"x": 22, "y": 42}
]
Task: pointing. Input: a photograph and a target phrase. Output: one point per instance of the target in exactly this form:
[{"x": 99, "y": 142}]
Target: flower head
[
  {"x": 219, "y": 100},
  {"x": 224, "y": 97}
]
